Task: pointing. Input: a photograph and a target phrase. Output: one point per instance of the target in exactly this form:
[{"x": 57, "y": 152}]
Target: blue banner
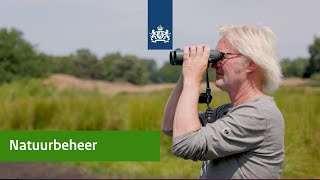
[{"x": 160, "y": 33}]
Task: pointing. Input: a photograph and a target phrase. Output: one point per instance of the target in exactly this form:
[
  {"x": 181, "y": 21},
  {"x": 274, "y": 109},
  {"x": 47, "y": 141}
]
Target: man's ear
[{"x": 251, "y": 66}]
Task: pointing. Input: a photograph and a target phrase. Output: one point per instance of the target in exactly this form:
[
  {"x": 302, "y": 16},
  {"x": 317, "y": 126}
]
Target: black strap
[
  {"x": 209, "y": 112},
  {"x": 206, "y": 97}
]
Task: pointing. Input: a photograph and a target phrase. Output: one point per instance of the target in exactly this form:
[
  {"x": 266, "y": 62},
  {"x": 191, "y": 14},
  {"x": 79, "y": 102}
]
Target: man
[{"x": 246, "y": 139}]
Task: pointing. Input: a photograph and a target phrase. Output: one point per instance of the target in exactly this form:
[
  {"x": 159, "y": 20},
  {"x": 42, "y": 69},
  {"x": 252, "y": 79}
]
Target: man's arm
[
  {"x": 242, "y": 129},
  {"x": 186, "y": 117},
  {"x": 170, "y": 109},
  {"x": 195, "y": 63}
]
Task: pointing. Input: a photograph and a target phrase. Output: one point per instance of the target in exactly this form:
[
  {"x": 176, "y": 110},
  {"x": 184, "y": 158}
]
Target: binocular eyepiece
[{"x": 176, "y": 56}]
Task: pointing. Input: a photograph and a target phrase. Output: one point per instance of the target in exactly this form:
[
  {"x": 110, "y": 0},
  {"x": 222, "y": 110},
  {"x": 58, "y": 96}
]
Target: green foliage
[
  {"x": 314, "y": 50},
  {"x": 60, "y": 64},
  {"x": 84, "y": 64},
  {"x": 294, "y": 68},
  {"x": 34, "y": 105},
  {"x": 115, "y": 67},
  {"x": 300, "y": 107},
  {"x": 167, "y": 73},
  {"x": 315, "y": 79},
  {"x": 112, "y": 67},
  {"x": 18, "y": 59},
  {"x": 106, "y": 67},
  {"x": 314, "y": 63},
  {"x": 151, "y": 67}
]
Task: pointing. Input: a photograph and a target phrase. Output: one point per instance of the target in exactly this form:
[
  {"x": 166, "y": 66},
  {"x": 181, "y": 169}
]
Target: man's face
[{"x": 230, "y": 71}]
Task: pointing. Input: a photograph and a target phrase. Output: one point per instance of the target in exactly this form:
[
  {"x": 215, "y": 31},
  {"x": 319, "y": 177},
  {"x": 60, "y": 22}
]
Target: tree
[
  {"x": 293, "y": 68},
  {"x": 151, "y": 67},
  {"x": 106, "y": 66},
  {"x": 167, "y": 73},
  {"x": 84, "y": 64},
  {"x": 115, "y": 67},
  {"x": 18, "y": 58},
  {"x": 314, "y": 63},
  {"x": 60, "y": 64}
]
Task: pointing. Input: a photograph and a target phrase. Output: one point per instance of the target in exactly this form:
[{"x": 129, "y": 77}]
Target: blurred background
[{"x": 84, "y": 65}]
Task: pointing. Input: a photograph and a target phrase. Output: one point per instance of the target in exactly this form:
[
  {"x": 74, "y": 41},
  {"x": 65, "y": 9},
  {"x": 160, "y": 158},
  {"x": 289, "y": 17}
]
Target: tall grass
[
  {"x": 301, "y": 109},
  {"x": 33, "y": 105}
]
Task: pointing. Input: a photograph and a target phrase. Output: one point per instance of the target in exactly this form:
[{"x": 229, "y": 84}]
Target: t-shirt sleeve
[
  {"x": 240, "y": 130},
  {"x": 202, "y": 120}
]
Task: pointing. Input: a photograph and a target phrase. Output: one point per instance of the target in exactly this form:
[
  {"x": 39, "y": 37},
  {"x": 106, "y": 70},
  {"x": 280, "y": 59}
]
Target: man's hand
[{"x": 195, "y": 62}]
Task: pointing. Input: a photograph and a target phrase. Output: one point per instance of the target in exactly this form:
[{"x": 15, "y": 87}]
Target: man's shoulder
[
  {"x": 262, "y": 103},
  {"x": 223, "y": 107},
  {"x": 262, "y": 110},
  {"x": 266, "y": 105}
]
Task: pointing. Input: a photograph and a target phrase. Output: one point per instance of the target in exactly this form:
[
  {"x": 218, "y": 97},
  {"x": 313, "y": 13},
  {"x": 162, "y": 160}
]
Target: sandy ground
[
  {"x": 66, "y": 81},
  {"x": 37, "y": 170}
]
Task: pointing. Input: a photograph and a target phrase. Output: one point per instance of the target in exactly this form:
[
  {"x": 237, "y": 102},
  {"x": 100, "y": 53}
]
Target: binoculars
[{"x": 176, "y": 56}]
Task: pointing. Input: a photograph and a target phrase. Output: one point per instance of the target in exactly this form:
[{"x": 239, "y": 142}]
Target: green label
[{"x": 19, "y": 146}]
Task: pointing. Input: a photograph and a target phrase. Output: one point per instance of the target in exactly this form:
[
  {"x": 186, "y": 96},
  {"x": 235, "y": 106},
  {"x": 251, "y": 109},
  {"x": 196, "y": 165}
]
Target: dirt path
[
  {"x": 39, "y": 170},
  {"x": 63, "y": 81}
]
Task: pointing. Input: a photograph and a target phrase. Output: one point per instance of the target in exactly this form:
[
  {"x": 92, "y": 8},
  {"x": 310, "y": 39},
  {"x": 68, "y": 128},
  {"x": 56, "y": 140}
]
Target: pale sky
[{"x": 60, "y": 27}]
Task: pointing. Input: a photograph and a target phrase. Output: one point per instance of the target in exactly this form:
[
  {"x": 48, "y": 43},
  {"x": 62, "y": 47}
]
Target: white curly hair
[{"x": 259, "y": 44}]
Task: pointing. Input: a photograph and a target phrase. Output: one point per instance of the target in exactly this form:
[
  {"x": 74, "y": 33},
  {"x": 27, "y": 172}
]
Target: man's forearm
[
  {"x": 186, "y": 117},
  {"x": 170, "y": 109}
]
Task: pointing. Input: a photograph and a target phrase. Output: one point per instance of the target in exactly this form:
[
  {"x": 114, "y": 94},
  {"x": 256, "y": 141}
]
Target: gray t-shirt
[{"x": 246, "y": 141}]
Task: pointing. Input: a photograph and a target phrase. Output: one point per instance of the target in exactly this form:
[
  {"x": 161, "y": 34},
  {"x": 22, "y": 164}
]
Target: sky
[{"x": 60, "y": 27}]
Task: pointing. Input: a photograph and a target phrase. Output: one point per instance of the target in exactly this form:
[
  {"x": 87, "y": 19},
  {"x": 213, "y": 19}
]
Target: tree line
[{"x": 19, "y": 60}]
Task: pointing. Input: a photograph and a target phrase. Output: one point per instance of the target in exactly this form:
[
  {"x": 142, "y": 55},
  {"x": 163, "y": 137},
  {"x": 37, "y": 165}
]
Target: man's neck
[{"x": 245, "y": 93}]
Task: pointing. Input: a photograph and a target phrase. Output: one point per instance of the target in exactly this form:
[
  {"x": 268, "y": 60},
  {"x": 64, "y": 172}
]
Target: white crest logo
[{"x": 160, "y": 35}]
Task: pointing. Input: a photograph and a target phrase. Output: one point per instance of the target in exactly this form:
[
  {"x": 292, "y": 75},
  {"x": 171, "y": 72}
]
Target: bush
[
  {"x": 18, "y": 58},
  {"x": 315, "y": 79}
]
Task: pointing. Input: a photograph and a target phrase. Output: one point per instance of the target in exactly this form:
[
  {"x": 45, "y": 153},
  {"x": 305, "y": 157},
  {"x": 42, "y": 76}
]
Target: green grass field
[{"x": 32, "y": 105}]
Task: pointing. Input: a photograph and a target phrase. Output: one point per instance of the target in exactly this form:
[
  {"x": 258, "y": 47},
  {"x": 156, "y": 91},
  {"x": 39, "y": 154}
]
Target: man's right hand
[{"x": 195, "y": 62}]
